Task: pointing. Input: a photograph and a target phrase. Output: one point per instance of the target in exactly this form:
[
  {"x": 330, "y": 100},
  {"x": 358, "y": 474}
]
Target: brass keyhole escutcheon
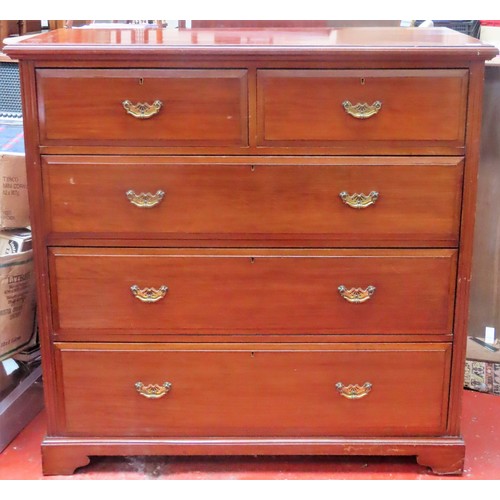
[
  {"x": 362, "y": 81},
  {"x": 141, "y": 81}
]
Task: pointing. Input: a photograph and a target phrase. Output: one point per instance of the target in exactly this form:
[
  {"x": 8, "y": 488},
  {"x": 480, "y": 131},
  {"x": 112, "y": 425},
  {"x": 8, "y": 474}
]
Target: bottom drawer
[{"x": 235, "y": 390}]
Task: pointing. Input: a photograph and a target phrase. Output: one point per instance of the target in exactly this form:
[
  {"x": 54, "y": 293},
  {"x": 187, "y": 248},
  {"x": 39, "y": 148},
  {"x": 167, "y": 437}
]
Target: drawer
[
  {"x": 193, "y": 107},
  {"x": 179, "y": 291},
  {"x": 362, "y": 108},
  {"x": 404, "y": 202},
  {"x": 253, "y": 390}
]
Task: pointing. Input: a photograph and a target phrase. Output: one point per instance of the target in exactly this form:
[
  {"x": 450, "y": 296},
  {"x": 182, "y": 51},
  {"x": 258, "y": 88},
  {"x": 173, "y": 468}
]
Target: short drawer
[
  {"x": 345, "y": 202},
  {"x": 361, "y": 109},
  {"x": 142, "y": 107},
  {"x": 156, "y": 291},
  {"x": 253, "y": 390}
]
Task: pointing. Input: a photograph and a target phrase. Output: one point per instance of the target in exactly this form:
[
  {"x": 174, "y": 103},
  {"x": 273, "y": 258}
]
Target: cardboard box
[
  {"x": 15, "y": 241},
  {"x": 14, "y": 207},
  {"x": 482, "y": 369},
  {"x": 17, "y": 303},
  {"x": 31, "y": 353}
]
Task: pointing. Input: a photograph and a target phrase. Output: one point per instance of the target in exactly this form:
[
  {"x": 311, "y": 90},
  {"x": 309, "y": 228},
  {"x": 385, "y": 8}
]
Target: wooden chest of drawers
[{"x": 252, "y": 247}]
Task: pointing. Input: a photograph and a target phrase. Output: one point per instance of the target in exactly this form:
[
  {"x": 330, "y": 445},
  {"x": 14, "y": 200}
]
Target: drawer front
[
  {"x": 240, "y": 390},
  {"x": 252, "y": 291},
  {"x": 327, "y": 107},
  {"x": 405, "y": 202},
  {"x": 196, "y": 107}
]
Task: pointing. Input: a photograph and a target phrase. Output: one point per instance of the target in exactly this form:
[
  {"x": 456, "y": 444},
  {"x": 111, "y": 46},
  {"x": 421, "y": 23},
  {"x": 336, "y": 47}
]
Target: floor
[{"x": 481, "y": 415}]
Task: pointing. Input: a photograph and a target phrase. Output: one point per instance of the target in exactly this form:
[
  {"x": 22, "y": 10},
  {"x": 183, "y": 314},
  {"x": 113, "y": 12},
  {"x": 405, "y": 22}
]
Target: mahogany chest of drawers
[{"x": 252, "y": 241}]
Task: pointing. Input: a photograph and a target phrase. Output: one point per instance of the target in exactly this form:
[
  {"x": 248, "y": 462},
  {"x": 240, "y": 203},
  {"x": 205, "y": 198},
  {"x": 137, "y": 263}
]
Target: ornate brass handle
[
  {"x": 145, "y": 200},
  {"x": 353, "y": 391},
  {"x": 362, "y": 110},
  {"x": 153, "y": 391},
  {"x": 149, "y": 295},
  {"x": 356, "y": 295},
  {"x": 359, "y": 200},
  {"x": 142, "y": 110}
]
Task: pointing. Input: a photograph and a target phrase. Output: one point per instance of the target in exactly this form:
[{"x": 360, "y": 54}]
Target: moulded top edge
[{"x": 342, "y": 43}]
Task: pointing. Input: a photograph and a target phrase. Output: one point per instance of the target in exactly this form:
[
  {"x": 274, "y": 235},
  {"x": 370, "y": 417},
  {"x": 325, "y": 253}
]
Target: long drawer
[
  {"x": 143, "y": 107},
  {"x": 360, "y": 108},
  {"x": 253, "y": 390},
  {"x": 251, "y": 291},
  {"x": 347, "y": 201}
]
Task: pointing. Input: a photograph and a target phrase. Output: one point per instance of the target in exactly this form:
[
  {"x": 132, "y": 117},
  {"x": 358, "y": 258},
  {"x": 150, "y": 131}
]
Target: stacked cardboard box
[
  {"x": 17, "y": 289},
  {"x": 17, "y": 292},
  {"x": 20, "y": 372},
  {"x": 14, "y": 207}
]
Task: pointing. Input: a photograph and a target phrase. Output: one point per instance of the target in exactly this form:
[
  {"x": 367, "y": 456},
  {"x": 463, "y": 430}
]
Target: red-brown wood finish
[
  {"x": 33, "y": 173},
  {"x": 306, "y": 107},
  {"x": 251, "y": 159},
  {"x": 258, "y": 292},
  {"x": 198, "y": 107},
  {"x": 240, "y": 390},
  {"x": 443, "y": 455},
  {"x": 464, "y": 269},
  {"x": 418, "y": 201},
  {"x": 400, "y": 46}
]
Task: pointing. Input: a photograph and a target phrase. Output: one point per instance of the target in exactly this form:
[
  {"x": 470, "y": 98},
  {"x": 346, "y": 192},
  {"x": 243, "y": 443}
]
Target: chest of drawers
[{"x": 252, "y": 241}]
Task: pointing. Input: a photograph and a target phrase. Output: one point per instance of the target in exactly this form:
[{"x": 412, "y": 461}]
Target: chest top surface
[{"x": 339, "y": 43}]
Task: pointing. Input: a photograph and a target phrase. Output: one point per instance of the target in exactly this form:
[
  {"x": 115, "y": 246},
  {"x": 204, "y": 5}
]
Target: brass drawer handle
[
  {"x": 356, "y": 295},
  {"x": 353, "y": 391},
  {"x": 362, "y": 110},
  {"x": 145, "y": 200},
  {"x": 149, "y": 295},
  {"x": 359, "y": 200},
  {"x": 142, "y": 110},
  {"x": 153, "y": 391}
]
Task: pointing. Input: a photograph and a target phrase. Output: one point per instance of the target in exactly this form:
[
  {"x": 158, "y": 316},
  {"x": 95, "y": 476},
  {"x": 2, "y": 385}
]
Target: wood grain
[
  {"x": 256, "y": 291},
  {"x": 305, "y": 106},
  {"x": 62, "y": 455},
  {"x": 323, "y": 44},
  {"x": 464, "y": 269},
  {"x": 199, "y": 107},
  {"x": 237, "y": 390},
  {"x": 252, "y": 241},
  {"x": 419, "y": 201},
  {"x": 33, "y": 174}
]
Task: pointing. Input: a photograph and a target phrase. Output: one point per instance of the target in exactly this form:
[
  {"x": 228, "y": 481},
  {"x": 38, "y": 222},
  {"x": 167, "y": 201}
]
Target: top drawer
[
  {"x": 135, "y": 107},
  {"x": 362, "y": 109}
]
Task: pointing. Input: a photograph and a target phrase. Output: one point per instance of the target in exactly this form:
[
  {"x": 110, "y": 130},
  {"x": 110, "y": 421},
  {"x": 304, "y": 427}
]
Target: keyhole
[
  {"x": 141, "y": 81},
  {"x": 252, "y": 168},
  {"x": 252, "y": 260},
  {"x": 362, "y": 81}
]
